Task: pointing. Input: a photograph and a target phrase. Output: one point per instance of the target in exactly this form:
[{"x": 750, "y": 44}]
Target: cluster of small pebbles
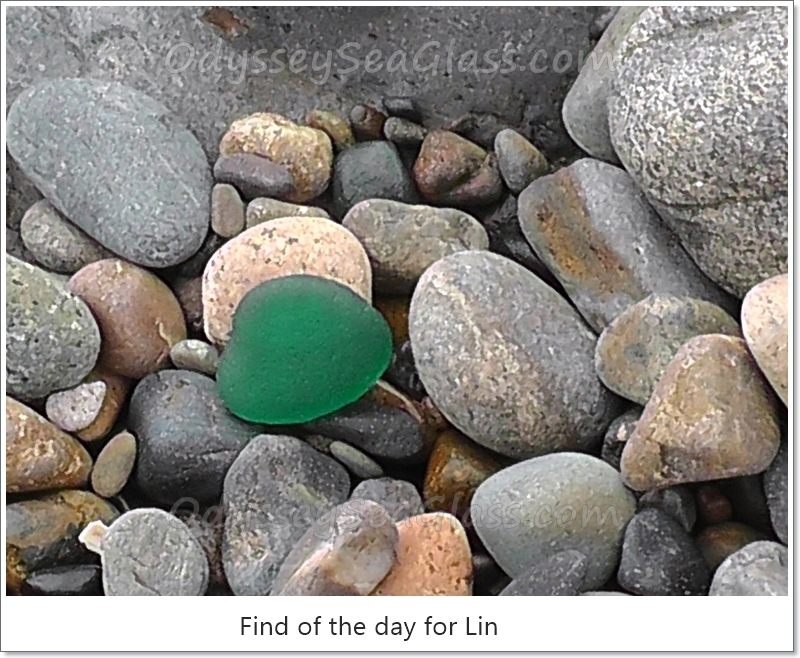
[{"x": 585, "y": 382}]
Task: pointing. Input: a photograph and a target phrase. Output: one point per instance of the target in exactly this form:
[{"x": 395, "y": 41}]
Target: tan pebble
[
  {"x": 263, "y": 210},
  {"x": 281, "y": 247},
  {"x": 114, "y": 465},
  {"x": 76, "y": 408},
  {"x": 227, "y": 211},
  {"x": 334, "y": 125}
]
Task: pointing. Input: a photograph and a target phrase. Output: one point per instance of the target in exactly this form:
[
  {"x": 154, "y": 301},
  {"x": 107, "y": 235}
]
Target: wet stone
[
  {"x": 254, "y": 176},
  {"x": 399, "y": 498},
  {"x": 562, "y": 574}
]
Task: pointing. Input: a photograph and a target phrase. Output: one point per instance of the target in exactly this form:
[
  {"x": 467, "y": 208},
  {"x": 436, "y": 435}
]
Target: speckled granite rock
[{"x": 758, "y": 569}]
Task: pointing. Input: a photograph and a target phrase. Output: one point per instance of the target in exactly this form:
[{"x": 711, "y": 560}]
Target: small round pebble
[
  {"x": 191, "y": 354},
  {"x": 148, "y": 552},
  {"x": 114, "y": 465},
  {"x": 334, "y": 125},
  {"x": 562, "y": 574},
  {"x": 398, "y": 497},
  {"x": 227, "y": 211},
  {"x": 76, "y": 408},
  {"x": 403, "y": 132},
  {"x": 758, "y": 569},
  {"x": 355, "y": 461},
  {"x": 367, "y": 122},
  {"x": 254, "y": 176},
  {"x": 520, "y": 162}
]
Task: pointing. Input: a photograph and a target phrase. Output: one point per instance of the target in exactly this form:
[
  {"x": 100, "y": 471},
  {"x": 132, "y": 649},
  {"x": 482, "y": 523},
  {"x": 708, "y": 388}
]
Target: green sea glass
[{"x": 301, "y": 347}]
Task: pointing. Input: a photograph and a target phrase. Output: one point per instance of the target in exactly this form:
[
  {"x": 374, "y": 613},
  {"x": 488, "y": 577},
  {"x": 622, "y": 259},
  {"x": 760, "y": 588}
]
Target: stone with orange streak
[{"x": 117, "y": 390}]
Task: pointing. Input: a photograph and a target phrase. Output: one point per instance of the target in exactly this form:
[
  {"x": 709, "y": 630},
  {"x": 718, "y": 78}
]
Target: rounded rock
[
  {"x": 758, "y": 569},
  {"x": 254, "y": 176},
  {"x": 114, "y": 465},
  {"x": 264, "y": 210},
  {"x": 227, "y": 211},
  {"x": 335, "y": 125},
  {"x": 117, "y": 389},
  {"x": 76, "y": 408},
  {"x": 520, "y": 162},
  {"x": 355, "y": 461},
  {"x": 195, "y": 355},
  {"x": 399, "y": 498}
]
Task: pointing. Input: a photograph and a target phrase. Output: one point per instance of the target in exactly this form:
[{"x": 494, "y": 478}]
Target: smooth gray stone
[
  {"x": 355, "y": 461},
  {"x": 399, "y": 498},
  {"x": 52, "y": 338},
  {"x": 116, "y": 163},
  {"x": 776, "y": 489},
  {"x": 277, "y": 487},
  {"x": 148, "y": 552},
  {"x": 699, "y": 118},
  {"x": 559, "y": 575},
  {"x": 758, "y": 569},
  {"x": 677, "y": 501}
]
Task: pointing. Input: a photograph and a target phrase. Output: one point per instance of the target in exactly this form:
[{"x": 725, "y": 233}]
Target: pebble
[
  {"x": 677, "y": 502},
  {"x": 660, "y": 559},
  {"x": 453, "y": 171},
  {"x": 399, "y": 498},
  {"x": 274, "y": 475},
  {"x": 402, "y": 241},
  {"x": 189, "y": 293},
  {"x": 717, "y": 542},
  {"x": 186, "y": 438},
  {"x": 404, "y": 107},
  {"x": 776, "y": 489},
  {"x": 255, "y": 176},
  {"x": 139, "y": 317},
  {"x": 347, "y": 553},
  {"x": 116, "y": 163},
  {"x": 617, "y": 435},
  {"x": 114, "y": 465},
  {"x": 117, "y": 389},
  {"x": 76, "y": 408},
  {"x": 385, "y": 433},
  {"x": 403, "y": 132},
  {"x": 520, "y": 162},
  {"x": 402, "y": 372},
  {"x": 731, "y": 214},
  {"x": 456, "y": 468},
  {"x": 355, "y": 461},
  {"x": 80, "y": 580},
  {"x": 372, "y": 170},
  {"x": 227, "y": 211},
  {"x": 758, "y": 569},
  {"x": 490, "y": 340},
  {"x": 433, "y": 559},
  {"x": 765, "y": 324},
  {"x": 710, "y": 417},
  {"x": 395, "y": 312},
  {"x": 302, "y": 347},
  {"x": 52, "y": 339},
  {"x": 561, "y": 574},
  {"x": 605, "y": 266},
  {"x": 367, "y": 122},
  {"x": 264, "y": 210},
  {"x": 39, "y": 455},
  {"x": 532, "y": 510},
  {"x": 148, "y": 552},
  {"x": 42, "y": 533},
  {"x": 274, "y": 249},
  {"x": 635, "y": 349},
  {"x": 713, "y": 506},
  {"x": 56, "y": 243},
  {"x": 307, "y": 152},
  {"x": 335, "y": 125},
  {"x": 196, "y": 355}
]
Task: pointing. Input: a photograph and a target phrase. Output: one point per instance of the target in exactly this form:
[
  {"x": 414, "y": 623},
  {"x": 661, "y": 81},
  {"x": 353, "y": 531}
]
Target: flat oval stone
[
  {"x": 39, "y": 455},
  {"x": 187, "y": 439},
  {"x": 227, "y": 211},
  {"x": 52, "y": 339},
  {"x": 275, "y": 249},
  {"x": 274, "y": 476},
  {"x": 302, "y": 347},
  {"x": 116, "y": 163},
  {"x": 114, "y": 465},
  {"x": 355, "y": 461},
  {"x": 399, "y": 498},
  {"x": 567, "y": 501},
  {"x": 758, "y": 569},
  {"x": 149, "y": 552},
  {"x": 254, "y": 176},
  {"x": 635, "y": 349},
  {"x": 505, "y": 358},
  {"x": 561, "y": 574}
]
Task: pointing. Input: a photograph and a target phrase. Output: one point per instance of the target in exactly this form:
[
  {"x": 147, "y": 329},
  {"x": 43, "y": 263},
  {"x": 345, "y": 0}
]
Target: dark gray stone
[
  {"x": 758, "y": 569},
  {"x": 254, "y": 176},
  {"x": 52, "y": 339},
  {"x": 528, "y": 512},
  {"x": 398, "y": 497},
  {"x": 659, "y": 558},
  {"x": 116, "y": 163},
  {"x": 187, "y": 439},
  {"x": 699, "y": 117},
  {"x": 559, "y": 575},
  {"x": 273, "y": 492},
  {"x": 372, "y": 170},
  {"x": 404, "y": 107},
  {"x": 776, "y": 489},
  {"x": 505, "y": 358},
  {"x": 677, "y": 501},
  {"x": 149, "y": 552},
  {"x": 617, "y": 435},
  {"x": 354, "y": 460},
  {"x": 79, "y": 580}
]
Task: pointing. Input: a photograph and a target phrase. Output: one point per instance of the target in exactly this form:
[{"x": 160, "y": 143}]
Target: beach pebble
[
  {"x": 402, "y": 372},
  {"x": 403, "y": 132},
  {"x": 710, "y": 417},
  {"x": 335, "y": 125},
  {"x": 39, "y": 455},
  {"x": 278, "y": 248},
  {"x": 491, "y": 340},
  {"x": 227, "y": 211},
  {"x": 116, "y": 163},
  {"x": 520, "y": 162},
  {"x": 263, "y": 210},
  {"x": 776, "y": 489},
  {"x": 635, "y": 349},
  {"x": 355, "y": 461},
  {"x": 196, "y": 355},
  {"x": 758, "y": 569},
  {"x": 80, "y": 580},
  {"x": 114, "y": 465},
  {"x": 677, "y": 502},
  {"x": 76, "y": 408},
  {"x": 306, "y": 152},
  {"x": 402, "y": 240},
  {"x": 561, "y": 574},
  {"x": 139, "y": 317},
  {"x": 117, "y": 389},
  {"x": 617, "y": 435},
  {"x": 399, "y": 498},
  {"x": 274, "y": 475},
  {"x": 367, "y": 122},
  {"x": 208, "y": 529},
  {"x": 254, "y": 176},
  {"x": 52, "y": 339},
  {"x": 717, "y": 542},
  {"x": 532, "y": 510}
]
